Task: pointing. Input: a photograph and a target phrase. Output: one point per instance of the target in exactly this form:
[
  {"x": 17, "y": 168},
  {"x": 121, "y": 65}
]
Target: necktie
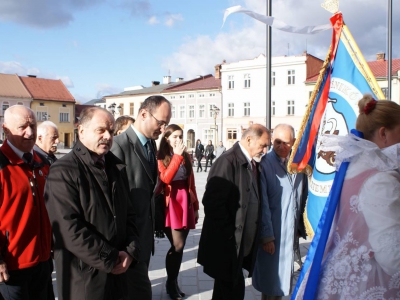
[
  {"x": 150, "y": 157},
  {"x": 254, "y": 169},
  {"x": 100, "y": 164},
  {"x": 28, "y": 157}
]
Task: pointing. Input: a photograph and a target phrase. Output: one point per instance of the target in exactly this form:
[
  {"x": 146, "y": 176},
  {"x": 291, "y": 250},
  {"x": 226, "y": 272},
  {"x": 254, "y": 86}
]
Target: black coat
[
  {"x": 225, "y": 206},
  {"x": 199, "y": 151},
  {"x": 128, "y": 148},
  {"x": 90, "y": 225}
]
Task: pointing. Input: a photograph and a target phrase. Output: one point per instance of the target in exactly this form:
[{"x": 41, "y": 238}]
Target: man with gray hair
[
  {"x": 25, "y": 231},
  {"x": 46, "y": 141},
  {"x": 283, "y": 200},
  {"x": 231, "y": 202}
]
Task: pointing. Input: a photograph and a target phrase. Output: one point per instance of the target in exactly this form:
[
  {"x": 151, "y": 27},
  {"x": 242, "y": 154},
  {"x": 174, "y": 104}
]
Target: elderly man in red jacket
[{"x": 25, "y": 232}]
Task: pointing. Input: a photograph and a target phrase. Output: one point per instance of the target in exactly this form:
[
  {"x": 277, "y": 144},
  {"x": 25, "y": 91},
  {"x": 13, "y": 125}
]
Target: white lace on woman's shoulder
[{"x": 351, "y": 147}]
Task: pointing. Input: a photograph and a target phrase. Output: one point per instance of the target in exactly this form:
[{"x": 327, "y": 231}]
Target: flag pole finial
[{"x": 331, "y": 6}]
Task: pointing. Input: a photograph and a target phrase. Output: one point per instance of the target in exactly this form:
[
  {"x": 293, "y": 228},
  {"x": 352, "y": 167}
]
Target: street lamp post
[{"x": 215, "y": 112}]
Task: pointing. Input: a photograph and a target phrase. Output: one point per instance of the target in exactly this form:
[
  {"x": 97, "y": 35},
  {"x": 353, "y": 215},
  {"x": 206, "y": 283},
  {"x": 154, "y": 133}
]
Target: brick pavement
[{"x": 192, "y": 280}]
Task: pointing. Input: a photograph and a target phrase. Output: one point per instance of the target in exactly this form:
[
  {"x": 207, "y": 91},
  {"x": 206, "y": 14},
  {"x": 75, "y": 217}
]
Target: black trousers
[
  {"x": 228, "y": 290},
  {"x": 139, "y": 285},
  {"x": 27, "y": 284},
  {"x": 209, "y": 158},
  {"x": 199, "y": 163}
]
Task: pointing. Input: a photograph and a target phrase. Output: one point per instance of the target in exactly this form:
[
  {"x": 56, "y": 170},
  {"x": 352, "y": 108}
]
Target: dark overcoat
[
  {"x": 128, "y": 148},
  {"x": 92, "y": 220},
  {"x": 225, "y": 201}
]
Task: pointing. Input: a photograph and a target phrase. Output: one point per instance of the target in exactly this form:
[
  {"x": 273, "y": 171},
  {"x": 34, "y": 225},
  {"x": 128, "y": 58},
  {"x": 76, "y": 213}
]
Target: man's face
[
  {"x": 21, "y": 129},
  {"x": 220, "y": 144},
  {"x": 97, "y": 134},
  {"x": 155, "y": 122},
  {"x": 50, "y": 140},
  {"x": 282, "y": 141},
  {"x": 257, "y": 145}
]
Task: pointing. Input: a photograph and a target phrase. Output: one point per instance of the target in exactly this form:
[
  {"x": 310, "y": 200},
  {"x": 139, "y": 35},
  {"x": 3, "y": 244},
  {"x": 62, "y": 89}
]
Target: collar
[
  {"x": 17, "y": 151},
  {"x": 143, "y": 140},
  {"x": 246, "y": 154}
]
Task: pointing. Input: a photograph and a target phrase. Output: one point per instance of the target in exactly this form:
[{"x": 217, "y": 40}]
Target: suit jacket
[
  {"x": 128, "y": 148},
  {"x": 47, "y": 158},
  {"x": 225, "y": 201},
  {"x": 199, "y": 150},
  {"x": 92, "y": 219}
]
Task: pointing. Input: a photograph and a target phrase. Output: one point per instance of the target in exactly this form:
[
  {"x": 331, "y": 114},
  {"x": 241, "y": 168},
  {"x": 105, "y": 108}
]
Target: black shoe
[
  {"x": 205, "y": 170},
  {"x": 179, "y": 289},
  {"x": 172, "y": 290}
]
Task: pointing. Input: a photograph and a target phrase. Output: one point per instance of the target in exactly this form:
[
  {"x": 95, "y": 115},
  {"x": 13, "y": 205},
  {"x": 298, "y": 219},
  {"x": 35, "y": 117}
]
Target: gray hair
[
  {"x": 43, "y": 128},
  {"x": 256, "y": 130}
]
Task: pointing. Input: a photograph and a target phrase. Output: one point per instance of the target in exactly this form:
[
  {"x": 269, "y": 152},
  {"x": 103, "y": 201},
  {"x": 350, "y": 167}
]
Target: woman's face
[
  {"x": 392, "y": 136},
  {"x": 175, "y": 137}
]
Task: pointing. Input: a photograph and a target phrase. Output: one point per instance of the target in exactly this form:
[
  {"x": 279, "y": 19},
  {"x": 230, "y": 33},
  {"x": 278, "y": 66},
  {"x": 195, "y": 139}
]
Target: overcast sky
[{"x": 98, "y": 47}]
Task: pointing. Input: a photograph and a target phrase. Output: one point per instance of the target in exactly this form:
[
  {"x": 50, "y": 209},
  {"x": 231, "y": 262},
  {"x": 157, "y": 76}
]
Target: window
[
  {"x": 173, "y": 111},
  {"x": 290, "y": 107},
  {"x": 246, "y": 106},
  {"x": 172, "y": 97},
  {"x": 210, "y": 110},
  {"x": 131, "y": 108},
  {"x": 273, "y": 78},
  {"x": 182, "y": 111},
  {"x": 232, "y": 134},
  {"x": 201, "y": 111},
  {"x": 385, "y": 92},
  {"x": 273, "y": 108},
  {"x": 64, "y": 117},
  {"x": 231, "y": 82},
  {"x": 64, "y": 105},
  {"x": 5, "y": 106},
  {"x": 191, "y": 96},
  {"x": 182, "y": 96},
  {"x": 201, "y": 95},
  {"x": 41, "y": 115},
  {"x": 309, "y": 94},
  {"x": 121, "y": 111},
  {"x": 212, "y": 94},
  {"x": 291, "y": 77},
  {"x": 208, "y": 135},
  {"x": 191, "y": 111},
  {"x": 246, "y": 81},
  {"x": 231, "y": 109}
]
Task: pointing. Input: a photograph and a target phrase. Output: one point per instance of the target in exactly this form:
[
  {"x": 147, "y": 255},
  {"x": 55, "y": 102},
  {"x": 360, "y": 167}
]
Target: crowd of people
[{"x": 93, "y": 210}]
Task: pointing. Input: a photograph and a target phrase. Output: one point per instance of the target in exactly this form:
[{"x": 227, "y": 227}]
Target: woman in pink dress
[
  {"x": 362, "y": 257},
  {"x": 182, "y": 206}
]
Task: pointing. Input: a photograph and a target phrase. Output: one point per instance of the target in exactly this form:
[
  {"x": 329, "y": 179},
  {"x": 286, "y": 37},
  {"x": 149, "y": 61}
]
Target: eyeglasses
[{"x": 159, "y": 123}]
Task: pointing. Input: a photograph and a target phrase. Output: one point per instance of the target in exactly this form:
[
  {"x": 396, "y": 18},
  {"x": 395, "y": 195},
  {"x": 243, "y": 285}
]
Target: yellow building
[{"x": 52, "y": 101}]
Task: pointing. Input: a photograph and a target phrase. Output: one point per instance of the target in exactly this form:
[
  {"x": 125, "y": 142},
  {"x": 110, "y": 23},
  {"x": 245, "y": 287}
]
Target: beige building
[{"x": 52, "y": 101}]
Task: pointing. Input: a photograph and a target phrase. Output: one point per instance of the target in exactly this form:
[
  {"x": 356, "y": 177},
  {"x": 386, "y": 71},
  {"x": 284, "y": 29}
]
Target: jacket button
[{"x": 78, "y": 149}]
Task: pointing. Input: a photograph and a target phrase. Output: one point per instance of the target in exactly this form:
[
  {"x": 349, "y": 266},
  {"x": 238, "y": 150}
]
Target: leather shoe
[{"x": 172, "y": 290}]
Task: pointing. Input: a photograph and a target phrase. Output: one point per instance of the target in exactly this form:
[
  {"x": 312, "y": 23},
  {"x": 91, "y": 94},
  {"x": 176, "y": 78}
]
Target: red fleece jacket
[{"x": 25, "y": 231}]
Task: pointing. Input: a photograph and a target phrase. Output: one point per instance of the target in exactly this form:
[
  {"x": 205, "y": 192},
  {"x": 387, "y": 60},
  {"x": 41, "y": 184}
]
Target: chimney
[
  {"x": 166, "y": 79},
  {"x": 217, "y": 69},
  {"x": 380, "y": 56},
  {"x": 154, "y": 83},
  {"x": 178, "y": 79},
  {"x": 33, "y": 76}
]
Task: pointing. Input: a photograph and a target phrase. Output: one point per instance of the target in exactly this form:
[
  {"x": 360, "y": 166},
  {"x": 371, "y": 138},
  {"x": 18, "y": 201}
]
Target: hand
[
  {"x": 269, "y": 247},
  {"x": 179, "y": 147},
  {"x": 196, "y": 216},
  {"x": 123, "y": 262},
  {"x": 4, "y": 276}
]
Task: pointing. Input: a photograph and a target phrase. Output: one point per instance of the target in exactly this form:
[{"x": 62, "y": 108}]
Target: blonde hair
[{"x": 376, "y": 114}]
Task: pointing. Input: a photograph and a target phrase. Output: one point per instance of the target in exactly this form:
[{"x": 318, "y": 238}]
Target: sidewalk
[{"x": 192, "y": 280}]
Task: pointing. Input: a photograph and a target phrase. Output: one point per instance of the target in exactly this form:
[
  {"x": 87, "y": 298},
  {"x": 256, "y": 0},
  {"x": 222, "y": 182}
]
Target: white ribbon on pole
[{"x": 276, "y": 24}]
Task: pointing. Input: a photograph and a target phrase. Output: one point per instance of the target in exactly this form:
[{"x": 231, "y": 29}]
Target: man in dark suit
[
  {"x": 232, "y": 210},
  {"x": 46, "y": 141},
  {"x": 87, "y": 197},
  {"x": 136, "y": 148},
  {"x": 199, "y": 154}
]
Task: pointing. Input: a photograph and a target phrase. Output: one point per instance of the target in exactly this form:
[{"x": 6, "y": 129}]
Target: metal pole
[
  {"x": 389, "y": 76},
  {"x": 268, "y": 70}
]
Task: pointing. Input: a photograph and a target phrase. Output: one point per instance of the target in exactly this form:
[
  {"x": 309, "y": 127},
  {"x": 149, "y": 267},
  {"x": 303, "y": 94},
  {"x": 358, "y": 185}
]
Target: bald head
[
  {"x": 20, "y": 127},
  {"x": 47, "y": 137}
]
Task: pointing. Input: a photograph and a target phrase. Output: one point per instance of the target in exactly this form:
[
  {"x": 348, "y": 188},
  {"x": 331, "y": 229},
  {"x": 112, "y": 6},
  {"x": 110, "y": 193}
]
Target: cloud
[
  {"x": 244, "y": 38},
  {"x": 171, "y": 19},
  {"x": 106, "y": 89},
  {"x": 153, "y": 20},
  {"x": 47, "y": 14},
  {"x": 66, "y": 80}
]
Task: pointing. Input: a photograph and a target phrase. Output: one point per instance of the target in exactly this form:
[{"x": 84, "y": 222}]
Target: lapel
[
  {"x": 139, "y": 151},
  {"x": 103, "y": 182},
  {"x": 290, "y": 177}
]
